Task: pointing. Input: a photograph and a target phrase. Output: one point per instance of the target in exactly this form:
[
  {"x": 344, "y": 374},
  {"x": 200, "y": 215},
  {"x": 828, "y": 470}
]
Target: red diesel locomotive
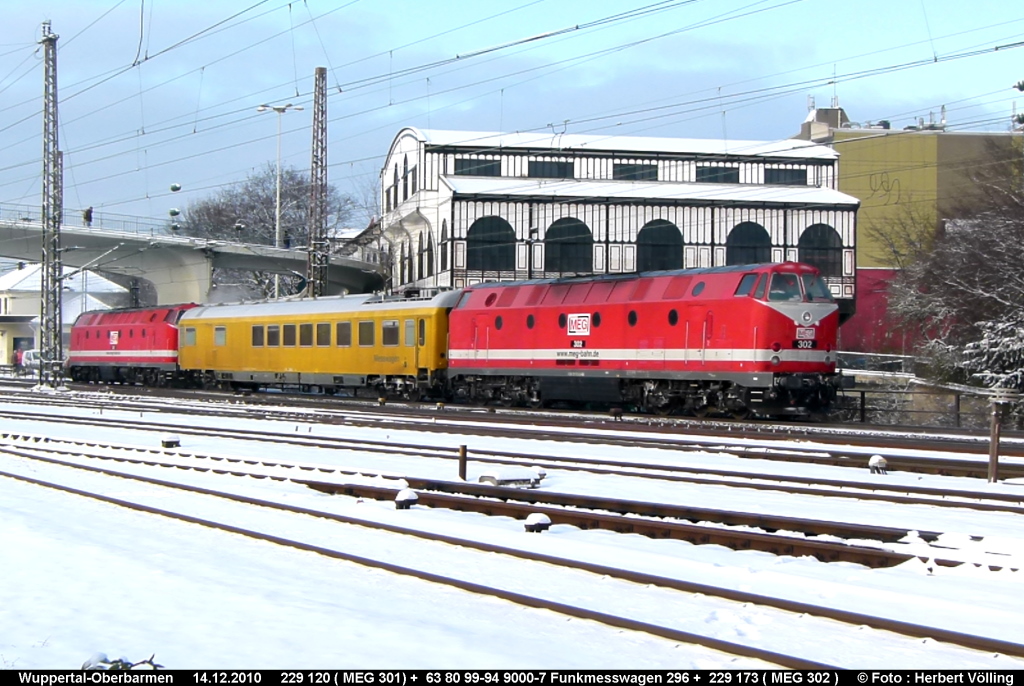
[
  {"x": 723, "y": 339},
  {"x": 126, "y": 346}
]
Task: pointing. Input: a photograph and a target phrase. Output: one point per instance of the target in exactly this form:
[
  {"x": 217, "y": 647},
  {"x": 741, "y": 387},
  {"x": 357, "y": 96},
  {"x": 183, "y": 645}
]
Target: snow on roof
[
  {"x": 30, "y": 279},
  {"x": 640, "y": 144},
  {"x": 648, "y": 190}
]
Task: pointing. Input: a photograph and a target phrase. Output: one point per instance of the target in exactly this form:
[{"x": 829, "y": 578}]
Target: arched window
[
  {"x": 659, "y": 245},
  {"x": 401, "y": 265},
  {"x": 491, "y": 245},
  {"x": 410, "y": 266},
  {"x": 821, "y": 246},
  {"x": 569, "y": 247},
  {"x": 444, "y": 245},
  {"x": 748, "y": 243},
  {"x": 421, "y": 254},
  {"x": 394, "y": 187},
  {"x": 429, "y": 261},
  {"x": 405, "y": 178}
]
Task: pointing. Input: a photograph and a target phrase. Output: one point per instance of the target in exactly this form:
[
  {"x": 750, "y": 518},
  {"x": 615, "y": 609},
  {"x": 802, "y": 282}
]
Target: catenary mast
[
  {"x": 316, "y": 264},
  {"x": 51, "y": 345}
]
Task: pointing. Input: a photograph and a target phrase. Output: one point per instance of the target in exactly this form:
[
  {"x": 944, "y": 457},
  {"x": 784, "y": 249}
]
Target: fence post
[
  {"x": 863, "y": 407},
  {"x": 956, "y": 406},
  {"x": 462, "y": 462},
  {"x": 1002, "y": 398}
]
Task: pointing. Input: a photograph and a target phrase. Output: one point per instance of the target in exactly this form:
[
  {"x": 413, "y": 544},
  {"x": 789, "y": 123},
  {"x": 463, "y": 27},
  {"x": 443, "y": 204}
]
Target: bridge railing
[{"x": 101, "y": 221}]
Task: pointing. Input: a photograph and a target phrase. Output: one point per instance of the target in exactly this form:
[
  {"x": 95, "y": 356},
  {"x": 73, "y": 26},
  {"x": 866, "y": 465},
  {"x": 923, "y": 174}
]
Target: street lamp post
[{"x": 280, "y": 109}]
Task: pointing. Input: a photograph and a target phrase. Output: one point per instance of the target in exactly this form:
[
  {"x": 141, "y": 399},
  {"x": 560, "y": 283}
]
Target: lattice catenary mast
[
  {"x": 316, "y": 264},
  {"x": 51, "y": 324}
]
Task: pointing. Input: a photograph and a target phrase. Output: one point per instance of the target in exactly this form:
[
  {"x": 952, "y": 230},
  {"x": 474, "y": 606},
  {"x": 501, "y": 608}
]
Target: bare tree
[
  {"x": 246, "y": 213},
  {"x": 962, "y": 286}
]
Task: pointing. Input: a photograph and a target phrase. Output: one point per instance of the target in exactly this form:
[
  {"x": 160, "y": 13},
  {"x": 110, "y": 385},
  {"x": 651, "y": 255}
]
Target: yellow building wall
[{"x": 895, "y": 176}]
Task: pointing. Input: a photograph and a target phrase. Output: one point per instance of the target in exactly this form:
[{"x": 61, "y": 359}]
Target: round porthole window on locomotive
[
  {"x": 497, "y": 322},
  {"x": 673, "y": 317},
  {"x": 698, "y": 289},
  {"x": 596, "y": 319},
  {"x": 490, "y": 299},
  {"x": 529, "y": 321},
  {"x": 631, "y": 318},
  {"x": 561, "y": 321}
]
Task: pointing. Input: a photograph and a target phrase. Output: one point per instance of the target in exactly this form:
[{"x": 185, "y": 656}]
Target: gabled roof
[
  {"x": 569, "y": 142},
  {"x": 647, "y": 190}
]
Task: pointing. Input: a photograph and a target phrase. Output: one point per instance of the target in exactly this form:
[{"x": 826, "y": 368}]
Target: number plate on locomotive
[{"x": 805, "y": 344}]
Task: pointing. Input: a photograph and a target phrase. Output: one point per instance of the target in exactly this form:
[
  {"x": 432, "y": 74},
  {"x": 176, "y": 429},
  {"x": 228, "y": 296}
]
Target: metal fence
[
  {"x": 940, "y": 408},
  {"x": 100, "y": 221}
]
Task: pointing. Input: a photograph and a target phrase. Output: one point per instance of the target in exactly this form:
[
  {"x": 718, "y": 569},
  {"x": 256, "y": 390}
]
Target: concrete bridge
[{"x": 178, "y": 267}]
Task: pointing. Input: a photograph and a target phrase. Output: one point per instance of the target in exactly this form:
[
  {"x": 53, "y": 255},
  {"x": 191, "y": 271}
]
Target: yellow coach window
[
  {"x": 389, "y": 333},
  {"x": 344, "y": 334},
  {"x": 323, "y": 333},
  {"x": 306, "y": 334}
]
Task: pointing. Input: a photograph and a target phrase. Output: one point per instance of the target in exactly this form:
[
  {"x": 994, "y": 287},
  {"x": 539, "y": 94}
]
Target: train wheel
[
  {"x": 702, "y": 411},
  {"x": 741, "y": 413}
]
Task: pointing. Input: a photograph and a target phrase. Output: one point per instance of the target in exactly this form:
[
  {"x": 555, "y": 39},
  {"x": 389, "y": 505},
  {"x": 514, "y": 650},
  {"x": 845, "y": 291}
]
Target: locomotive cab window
[
  {"x": 289, "y": 334},
  {"x": 220, "y": 335},
  {"x": 366, "y": 333},
  {"x": 388, "y": 333},
  {"x": 257, "y": 336},
  {"x": 816, "y": 289},
  {"x": 762, "y": 284},
  {"x": 343, "y": 336},
  {"x": 306, "y": 335},
  {"x": 273, "y": 336},
  {"x": 784, "y": 287},
  {"x": 746, "y": 285},
  {"x": 190, "y": 336}
]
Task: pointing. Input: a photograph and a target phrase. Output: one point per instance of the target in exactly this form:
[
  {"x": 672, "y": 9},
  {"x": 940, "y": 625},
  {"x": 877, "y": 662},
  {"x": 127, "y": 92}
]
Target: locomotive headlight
[
  {"x": 776, "y": 360},
  {"x": 806, "y": 316},
  {"x": 776, "y": 347},
  {"x": 828, "y": 359}
]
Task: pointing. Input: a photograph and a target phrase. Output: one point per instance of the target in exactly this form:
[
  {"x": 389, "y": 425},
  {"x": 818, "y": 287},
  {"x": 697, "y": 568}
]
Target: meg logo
[{"x": 579, "y": 324}]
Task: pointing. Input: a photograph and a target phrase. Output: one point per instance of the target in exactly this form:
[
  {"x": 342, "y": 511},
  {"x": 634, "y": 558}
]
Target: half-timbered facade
[{"x": 461, "y": 207}]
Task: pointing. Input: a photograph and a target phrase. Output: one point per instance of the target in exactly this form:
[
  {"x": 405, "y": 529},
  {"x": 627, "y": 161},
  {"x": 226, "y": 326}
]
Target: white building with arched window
[{"x": 461, "y": 207}]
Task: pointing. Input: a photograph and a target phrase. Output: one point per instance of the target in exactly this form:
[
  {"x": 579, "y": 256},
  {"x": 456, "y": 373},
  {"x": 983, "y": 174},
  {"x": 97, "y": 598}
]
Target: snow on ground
[{"x": 86, "y": 577}]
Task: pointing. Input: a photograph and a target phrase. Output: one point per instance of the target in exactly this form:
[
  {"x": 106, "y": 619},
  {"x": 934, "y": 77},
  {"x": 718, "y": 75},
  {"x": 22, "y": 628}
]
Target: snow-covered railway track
[
  {"x": 735, "y": 530},
  {"x": 874, "y": 489},
  {"x": 628, "y": 435},
  {"x": 525, "y": 569}
]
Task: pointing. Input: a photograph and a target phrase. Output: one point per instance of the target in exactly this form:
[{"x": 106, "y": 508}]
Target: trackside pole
[
  {"x": 462, "y": 462},
  {"x": 1001, "y": 399}
]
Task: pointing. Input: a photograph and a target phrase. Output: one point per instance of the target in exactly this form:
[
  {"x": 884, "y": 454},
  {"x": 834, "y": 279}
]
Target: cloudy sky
[{"x": 154, "y": 92}]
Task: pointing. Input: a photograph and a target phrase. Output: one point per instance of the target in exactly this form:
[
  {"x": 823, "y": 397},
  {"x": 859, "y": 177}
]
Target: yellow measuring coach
[{"x": 384, "y": 344}]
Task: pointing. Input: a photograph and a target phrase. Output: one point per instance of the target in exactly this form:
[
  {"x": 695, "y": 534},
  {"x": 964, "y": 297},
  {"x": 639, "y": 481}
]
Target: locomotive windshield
[
  {"x": 784, "y": 287},
  {"x": 816, "y": 289}
]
